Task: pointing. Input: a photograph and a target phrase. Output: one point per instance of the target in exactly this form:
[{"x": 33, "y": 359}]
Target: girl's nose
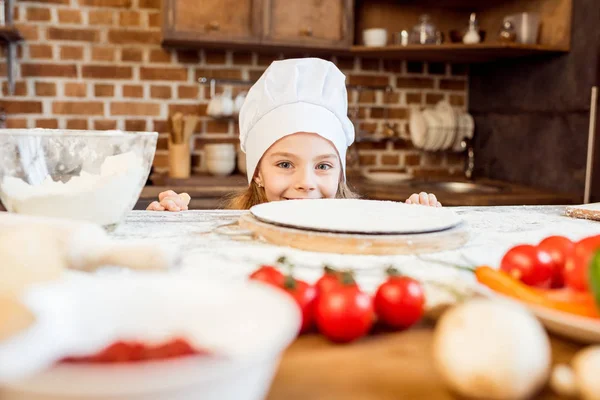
[{"x": 305, "y": 181}]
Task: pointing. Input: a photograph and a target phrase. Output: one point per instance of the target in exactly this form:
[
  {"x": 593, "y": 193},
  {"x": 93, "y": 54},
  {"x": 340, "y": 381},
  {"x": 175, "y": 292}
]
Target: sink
[{"x": 457, "y": 187}]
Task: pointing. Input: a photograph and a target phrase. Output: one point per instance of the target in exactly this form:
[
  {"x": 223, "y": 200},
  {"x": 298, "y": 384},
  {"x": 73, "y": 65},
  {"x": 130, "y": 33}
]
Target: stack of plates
[{"x": 440, "y": 128}]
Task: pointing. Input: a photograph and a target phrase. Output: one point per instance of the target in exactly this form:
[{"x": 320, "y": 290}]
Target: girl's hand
[
  {"x": 425, "y": 199},
  {"x": 170, "y": 201}
]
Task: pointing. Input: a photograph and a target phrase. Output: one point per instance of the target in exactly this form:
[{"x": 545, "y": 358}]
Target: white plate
[
  {"x": 418, "y": 128},
  {"x": 356, "y": 216},
  {"x": 434, "y": 126},
  {"x": 387, "y": 177},
  {"x": 445, "y": 110}
]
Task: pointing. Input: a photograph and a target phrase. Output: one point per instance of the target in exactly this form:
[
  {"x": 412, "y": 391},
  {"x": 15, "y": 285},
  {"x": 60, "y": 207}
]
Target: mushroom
[
  {"x": 492, "y": 349},
  {"x": 582, "y": 379}
]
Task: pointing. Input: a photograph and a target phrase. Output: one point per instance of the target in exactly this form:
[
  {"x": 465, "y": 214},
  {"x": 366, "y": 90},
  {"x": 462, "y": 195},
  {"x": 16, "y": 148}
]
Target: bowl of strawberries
[{"x": 146, "y": 337}]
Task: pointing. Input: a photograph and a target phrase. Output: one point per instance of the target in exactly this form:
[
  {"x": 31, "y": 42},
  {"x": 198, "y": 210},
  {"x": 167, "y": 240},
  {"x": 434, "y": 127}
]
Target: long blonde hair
[{"x": 254, "y": 194}]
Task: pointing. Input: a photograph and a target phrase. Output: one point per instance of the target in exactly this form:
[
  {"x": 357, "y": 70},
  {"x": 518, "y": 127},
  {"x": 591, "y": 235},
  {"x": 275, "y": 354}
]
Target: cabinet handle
[
  {"x": 306, "y": 31},
  {"x": 213, "y": 26}
]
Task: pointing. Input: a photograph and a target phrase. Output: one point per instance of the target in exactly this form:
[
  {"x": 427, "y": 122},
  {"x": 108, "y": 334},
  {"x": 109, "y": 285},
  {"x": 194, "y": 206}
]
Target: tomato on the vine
[
  {"x": 559, "y": 248},
  {"x": 529, "y": 264},
  {"x": 304, "y": 294},
  {"x": 399, "y": 301},
  {"x": 577, "y": 264}
]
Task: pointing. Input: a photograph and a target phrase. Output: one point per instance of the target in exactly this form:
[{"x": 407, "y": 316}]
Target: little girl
[{"x": 295, "y": 130}]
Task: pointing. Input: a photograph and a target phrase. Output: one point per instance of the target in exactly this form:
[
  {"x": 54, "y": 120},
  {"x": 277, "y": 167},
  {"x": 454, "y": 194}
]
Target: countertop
[
  {"x": 384, "y": 366},
  {"x": 207, "y": 192}
]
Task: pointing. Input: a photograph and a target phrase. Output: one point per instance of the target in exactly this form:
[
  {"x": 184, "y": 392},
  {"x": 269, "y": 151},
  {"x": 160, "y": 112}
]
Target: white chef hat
[{"x": 295, "y": 95}]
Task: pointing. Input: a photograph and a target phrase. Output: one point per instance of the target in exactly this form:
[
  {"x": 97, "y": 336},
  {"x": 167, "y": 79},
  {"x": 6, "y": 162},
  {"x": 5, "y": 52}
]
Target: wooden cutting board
[
  {"x": 584, "y": 211},
  {"x": 373, "y": 244}
]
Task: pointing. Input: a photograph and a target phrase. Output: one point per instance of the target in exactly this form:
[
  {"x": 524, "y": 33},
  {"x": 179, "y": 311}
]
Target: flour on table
[
  {"x": 356, "y": 216},
  {"x": 100, "y": 198}
]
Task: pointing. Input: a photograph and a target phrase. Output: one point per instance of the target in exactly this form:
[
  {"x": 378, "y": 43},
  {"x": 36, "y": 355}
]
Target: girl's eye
[
  {"x": 324, "y": 167},
  {"x": 285, "y": 164}
]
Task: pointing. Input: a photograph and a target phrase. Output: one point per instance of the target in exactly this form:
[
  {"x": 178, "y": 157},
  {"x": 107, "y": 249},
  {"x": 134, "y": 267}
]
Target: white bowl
[
  {"x": 220, "y": 166},
  {"x": 95, "y": 176},
  {"x": 251, "y": 324},
  {"x": 375, "y": 37}
]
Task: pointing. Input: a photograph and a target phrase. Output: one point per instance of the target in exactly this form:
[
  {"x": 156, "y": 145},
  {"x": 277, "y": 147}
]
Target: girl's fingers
[
  {"x": 155, "y": 206},
  {"x": 167, "y": 193}
]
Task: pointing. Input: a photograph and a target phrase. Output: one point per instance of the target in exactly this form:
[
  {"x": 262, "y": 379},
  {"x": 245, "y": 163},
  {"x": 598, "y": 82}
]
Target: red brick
[
  {"x": 457, "y": 100},
  {"x": 160, "y": 92},
  {"x": 77, "y": 124},
  {"x": 129, "y": 18},
  {"x": 100, "y": 17},
  {"x": 105, "y": 124},
  {"x": 66, "y": 2},
  {"x": 433, "y": 98},
  {"x": 390, "y": 159},
  {"x": 242, "y": 58},
  {"x": 391, "y": 97},
  {"x": 397, "y": 113},
  {"x": 369, "y": 64},
  {"x": 223, "y": 73},
  {"x": 106, "y": 72},
  {"x": 104, "y": 90},
  {"x": 66, "y": 16},
  {"x": 131, "y": 54},
  {"x": 150, "y": 4},
  {"x": 120, "y": 36},
  {"x": 188, "y": 56},
  {"x": 130, "y": 108},
  {"x": 187, "y": 92},
  {"x": 71, "y": 53},
  {"x": 40, "y": 51},
  {"x": 21, "y": 107},
  {"x": 135, "y": 125},
  {"x": 213, "y": 126},
  {"x": 48, "y": 123},
  {"x": 368, "y": 80},
  {"x": 411, "y": 160},
  {"x": 16, "y": 123},
  {"x": 368, "y": 127},
  {"x": 448, "y": 84},
  {"x": 160, "y": 56},
  {"x": 161, "y": 161},
  {"x": 372, "y": 145},
  {"x": 415, "y": 67},
  {"x": 195, "y": 109},
  {"x": 103, "y": 53},
  {"x": 367, "y": 159},
  {"x": 414, "y": 83},
  {"x": 29, "y": 32},
  {"x": 38, "y": 14},
  {"x": 392, "y": 65},
  {"x": 106, "y": 3},
  {"x": 75, "y": 89},
  {"x": 20, "y": 89},
  {"x": 154, "y": 19},
  {"x": 215, "y": 56},
  {"x": 45, "y": 89},
  {"x": 367, "y": 96},
  {"x": 133, "y": 91},
  {"x": 163, "y": 74},
  {"x": 162, "y": 143},
  {"x": 78, "y": 108},
  {"x": 49, "y": 70},
  {"x": 71, "y": 34},
  {"x": 414, "y": 98},
  {"x": 160, "y": 126}
]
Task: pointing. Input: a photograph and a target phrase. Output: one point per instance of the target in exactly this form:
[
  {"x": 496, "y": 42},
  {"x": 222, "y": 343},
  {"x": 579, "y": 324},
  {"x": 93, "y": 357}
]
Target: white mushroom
[
  {"x": 582, "y": 379},
  {"x": 492, "y": 350}
]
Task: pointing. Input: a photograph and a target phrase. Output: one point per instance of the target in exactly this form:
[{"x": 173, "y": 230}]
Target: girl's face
[{"x": 300, "y": 166}]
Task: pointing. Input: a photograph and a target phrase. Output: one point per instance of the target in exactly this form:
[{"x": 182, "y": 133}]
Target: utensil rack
[{"x": 8, "y": 37}]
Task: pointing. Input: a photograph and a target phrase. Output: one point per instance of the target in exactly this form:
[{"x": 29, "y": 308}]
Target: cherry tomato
[
  {"x": 531, "y": 265},
  {"x": 268, "y": 274},
  {"x": 327, "y": 281},
  {"x": 399, "y": 301},
  {"x": 577, "y": 263},
  {"x": 344, "y": 314},
  {"x": 304, "y": 295},
  {"x": 559, "y": 248}
]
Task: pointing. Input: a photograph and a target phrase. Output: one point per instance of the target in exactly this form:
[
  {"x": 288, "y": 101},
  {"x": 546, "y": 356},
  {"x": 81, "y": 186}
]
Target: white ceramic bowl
[
  {"x": 96, "y": 176},
  {"x": 255, "y": 323},
  {"x": 375, "y": 37},
  {"x": 220, "y": 166}
]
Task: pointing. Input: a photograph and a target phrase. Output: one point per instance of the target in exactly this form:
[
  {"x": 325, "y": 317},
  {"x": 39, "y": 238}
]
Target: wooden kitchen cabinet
[
  {"x": 308, "y": 23},
  {"x": 188, "y": 22}
]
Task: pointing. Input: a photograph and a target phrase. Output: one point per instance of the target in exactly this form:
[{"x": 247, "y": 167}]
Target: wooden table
[
  {"x": 385, "y": 366},
  {"x": 381, "y": 367}
]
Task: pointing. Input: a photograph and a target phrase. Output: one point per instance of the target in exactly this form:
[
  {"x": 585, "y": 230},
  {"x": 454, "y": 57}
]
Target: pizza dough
[{"x": 356, "y": 216}]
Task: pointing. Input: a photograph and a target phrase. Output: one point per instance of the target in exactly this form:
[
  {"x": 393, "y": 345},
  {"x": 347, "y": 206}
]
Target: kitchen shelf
[
  {"x": 457, "y": 52},
  {"x": 9, "y": 34}
]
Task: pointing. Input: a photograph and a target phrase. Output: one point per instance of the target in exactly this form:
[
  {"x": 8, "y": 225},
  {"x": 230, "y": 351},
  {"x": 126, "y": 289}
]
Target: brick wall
[{"x": 98, "y": 64}]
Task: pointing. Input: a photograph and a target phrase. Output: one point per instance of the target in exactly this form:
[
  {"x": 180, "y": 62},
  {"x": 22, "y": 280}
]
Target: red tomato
[
  {"x": 559, "y": 248},
  {"x": 399, "y": 302},
  {"x": 531, "y": 265},
  {"x": 121, "y": 352},
  {"x": 305, "y": 295},
  {"x": 577, "y": 263},
  {"x": 344, "y": 314},
  {"x": 268, "y": 274},
  {"x": 327, "y": 281}
]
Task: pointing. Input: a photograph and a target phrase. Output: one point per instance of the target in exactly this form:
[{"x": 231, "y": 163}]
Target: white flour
[{"x": 103, "y": 199}]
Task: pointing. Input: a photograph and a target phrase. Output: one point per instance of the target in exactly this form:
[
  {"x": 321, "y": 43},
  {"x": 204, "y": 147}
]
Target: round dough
[{"x": 356, "y": 216}]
